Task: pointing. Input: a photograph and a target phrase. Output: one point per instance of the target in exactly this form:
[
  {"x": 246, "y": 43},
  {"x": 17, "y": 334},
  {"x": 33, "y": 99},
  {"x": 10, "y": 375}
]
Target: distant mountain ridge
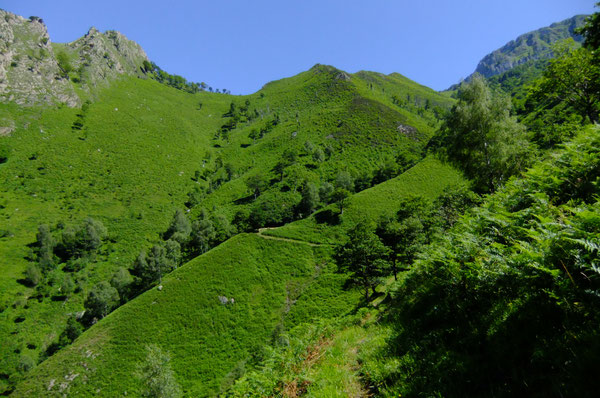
[
  {"x": 33, "y": 70},
  {"x": 529, "y": 47}
]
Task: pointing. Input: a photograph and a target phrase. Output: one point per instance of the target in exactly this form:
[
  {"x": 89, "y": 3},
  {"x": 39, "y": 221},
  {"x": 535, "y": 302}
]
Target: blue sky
[{"x": 242, "y": 44}]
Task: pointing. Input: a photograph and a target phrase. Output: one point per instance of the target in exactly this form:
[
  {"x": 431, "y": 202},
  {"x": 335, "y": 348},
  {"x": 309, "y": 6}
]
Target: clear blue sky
[{"x": 242, "y": 44}]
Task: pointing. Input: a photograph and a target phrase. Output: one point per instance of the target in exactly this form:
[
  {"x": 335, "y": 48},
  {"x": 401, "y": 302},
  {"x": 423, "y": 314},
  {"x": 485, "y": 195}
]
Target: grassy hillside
[
  {"x": 276, "y": 284},
  {"x": 207, "y": 339},
  {"x": 137, "y": 152},
  {"x": 428, "y": 179}
]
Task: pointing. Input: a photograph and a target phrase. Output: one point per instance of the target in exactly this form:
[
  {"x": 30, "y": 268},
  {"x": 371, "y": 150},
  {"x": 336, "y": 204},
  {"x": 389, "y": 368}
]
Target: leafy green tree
[
  {"x": 101, "y": 300},
  {"x": 325, "y": 192},
  {"x": 339, "y": 196},
  {"x": 310, "y": 199},
  {"x": 91, "y": 234},
  {"x": 280, "y": 167},
  {"x": 386, "y": 171},
  {"x": 180, "y": 227},
  {"x": 122, "y": 281},
  {"x": 257, "y": 184},
  {"x": 223, "y": 228},
  {"x": 363, "y": 256},
  {"x": 344, "y": 180},
  {"x": 254, "y": 135},
  {"x": 362, "y": 181},
  {"x": 151, "y": 267},
  {"x": 67, "y": 286},
  {"x": 45, "y": 244},
  {"x": 203, "y": 234},
  {"x": 309, "y": 147},
  {"x": 318, "y": 155},
  {"x": 572, "y": 77},
  {"x": 64, "y": 64},
  {"x": 26, "y": 363},
  {"x": 407, "y": 232},
  {"x": 157, "y": 376},
  {"x": 290, "y": 156},
  {"x": 33, "y": 274},
  {"x": 481, "y": 137},
  {"x": 591, "y": 31},
  {"x": 84, "y": 239}
]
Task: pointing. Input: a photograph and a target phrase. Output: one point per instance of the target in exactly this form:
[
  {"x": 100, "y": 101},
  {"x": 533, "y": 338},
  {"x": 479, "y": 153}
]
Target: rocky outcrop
[
  {"x": 33, "y": 70},
  {"x": 530, "y": 46},
  {"x": 29, "y": 73},
  {"x": 99, "y": 57}
]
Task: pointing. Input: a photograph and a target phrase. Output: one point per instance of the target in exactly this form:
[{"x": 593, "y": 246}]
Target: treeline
[
  {"x": 176, "y": 81},
  {"x": 59, "y": 257}
]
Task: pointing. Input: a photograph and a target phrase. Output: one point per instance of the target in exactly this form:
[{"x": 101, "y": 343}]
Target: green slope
[
  {"x": 206, "y": 338},
  {"x": 132, "y": 163},
  {"x": 274, "y": 281},
  {"x": 428, "y": 179}
]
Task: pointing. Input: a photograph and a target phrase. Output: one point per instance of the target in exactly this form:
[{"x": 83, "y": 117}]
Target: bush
[{"x": 101, "y": 300}]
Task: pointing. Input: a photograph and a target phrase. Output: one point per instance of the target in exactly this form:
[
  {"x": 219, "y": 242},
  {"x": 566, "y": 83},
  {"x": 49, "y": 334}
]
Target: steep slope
[
  {"x": 530, "y": 46},
  {"x": 139, "y": 149},
  {"x": 33, "y": 70},
  {"x": 213, "y": 315},
  {"x": 276, "y": 284},
  {"x": 521, "y": 60}
]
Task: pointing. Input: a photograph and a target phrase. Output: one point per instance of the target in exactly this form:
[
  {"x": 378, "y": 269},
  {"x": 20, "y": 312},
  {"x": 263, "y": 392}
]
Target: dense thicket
[{"x": 508, "y": 303}]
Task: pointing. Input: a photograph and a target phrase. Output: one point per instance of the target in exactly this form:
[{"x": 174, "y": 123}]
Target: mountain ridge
[{"x": 34, "y": 70}]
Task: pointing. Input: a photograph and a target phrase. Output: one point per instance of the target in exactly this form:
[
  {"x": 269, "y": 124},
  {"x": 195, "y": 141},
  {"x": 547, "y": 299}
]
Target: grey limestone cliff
[{"x": 33, "y": 70}]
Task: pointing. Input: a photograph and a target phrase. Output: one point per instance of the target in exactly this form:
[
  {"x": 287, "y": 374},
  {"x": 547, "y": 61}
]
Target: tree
[
  {"x": 310, "y": 199},
  {"x": 67, "y": 286},
  {"x": 591, "y": 31},
  {"x": 101, "y": 300},
  {"x": 64, "y": 64},
  {"x": 157, "y": 376},
  {"x": 33, "y": 275},
  {"x": 45, "y": 244},
  {"x": 257, "y": 184},
  {"x": 150, "y": 268},
  {"x": 90, "y": 234},
  {"x": 318, "y": 155},
  {"x": 122, "y": 280},
  {"x": 203, "y": 233},
  {"x": 480, "y": 136},
  {"x": 363, "y": 256},
  {"x": 572, "y": 77},
  {"x": 407, "y": 232},
  {"x": 339, "y": 196},
  {"x": 180, "y": 227},
  {"x": 309, "y": 147},
  {"x": 325, "y": 192},
  {"x": 254, "y": 135},
  {"x": 344, "y": 180}
]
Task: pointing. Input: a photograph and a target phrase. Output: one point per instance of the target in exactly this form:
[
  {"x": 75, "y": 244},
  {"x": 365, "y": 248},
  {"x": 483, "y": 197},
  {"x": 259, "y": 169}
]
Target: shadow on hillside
[
  {"x": 245, "y": 200},
  {"x": 327, "y": 216}
]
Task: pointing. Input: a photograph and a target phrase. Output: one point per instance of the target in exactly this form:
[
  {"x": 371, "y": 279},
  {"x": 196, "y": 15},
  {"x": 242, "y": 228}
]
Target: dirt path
[{"x": 261, "y": 230}]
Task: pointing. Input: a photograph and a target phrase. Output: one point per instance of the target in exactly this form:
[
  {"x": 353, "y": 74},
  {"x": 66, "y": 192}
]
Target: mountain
[
  {"x": 529, "y": 49},
  {"x": 128, "y": 150},
  {"x": 33, "y": 70}
]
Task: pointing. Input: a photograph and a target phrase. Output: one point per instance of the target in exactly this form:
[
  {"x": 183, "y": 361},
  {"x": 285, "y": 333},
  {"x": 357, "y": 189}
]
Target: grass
[
  {"x": 131, "y": 165},
  {"x": 428, "y": 178},
  {"x": 206, "y": 339}
]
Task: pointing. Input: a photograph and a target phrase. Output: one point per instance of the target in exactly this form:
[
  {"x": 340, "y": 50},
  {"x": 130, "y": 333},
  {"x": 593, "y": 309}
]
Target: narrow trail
[{"x": 261, "y": 230}]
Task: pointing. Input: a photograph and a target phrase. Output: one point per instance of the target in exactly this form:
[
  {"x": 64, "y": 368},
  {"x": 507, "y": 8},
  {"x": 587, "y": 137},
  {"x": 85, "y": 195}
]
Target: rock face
[
  {"x": 530, "y": 46},
  {"x": 34, "y": 71},
  {"x": 29, "y": 73}
]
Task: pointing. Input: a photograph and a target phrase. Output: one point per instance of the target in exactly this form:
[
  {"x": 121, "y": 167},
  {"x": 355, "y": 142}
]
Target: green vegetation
[
  {"x": 480, "y": 137},
  {"x": 321, "y": 237}
]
